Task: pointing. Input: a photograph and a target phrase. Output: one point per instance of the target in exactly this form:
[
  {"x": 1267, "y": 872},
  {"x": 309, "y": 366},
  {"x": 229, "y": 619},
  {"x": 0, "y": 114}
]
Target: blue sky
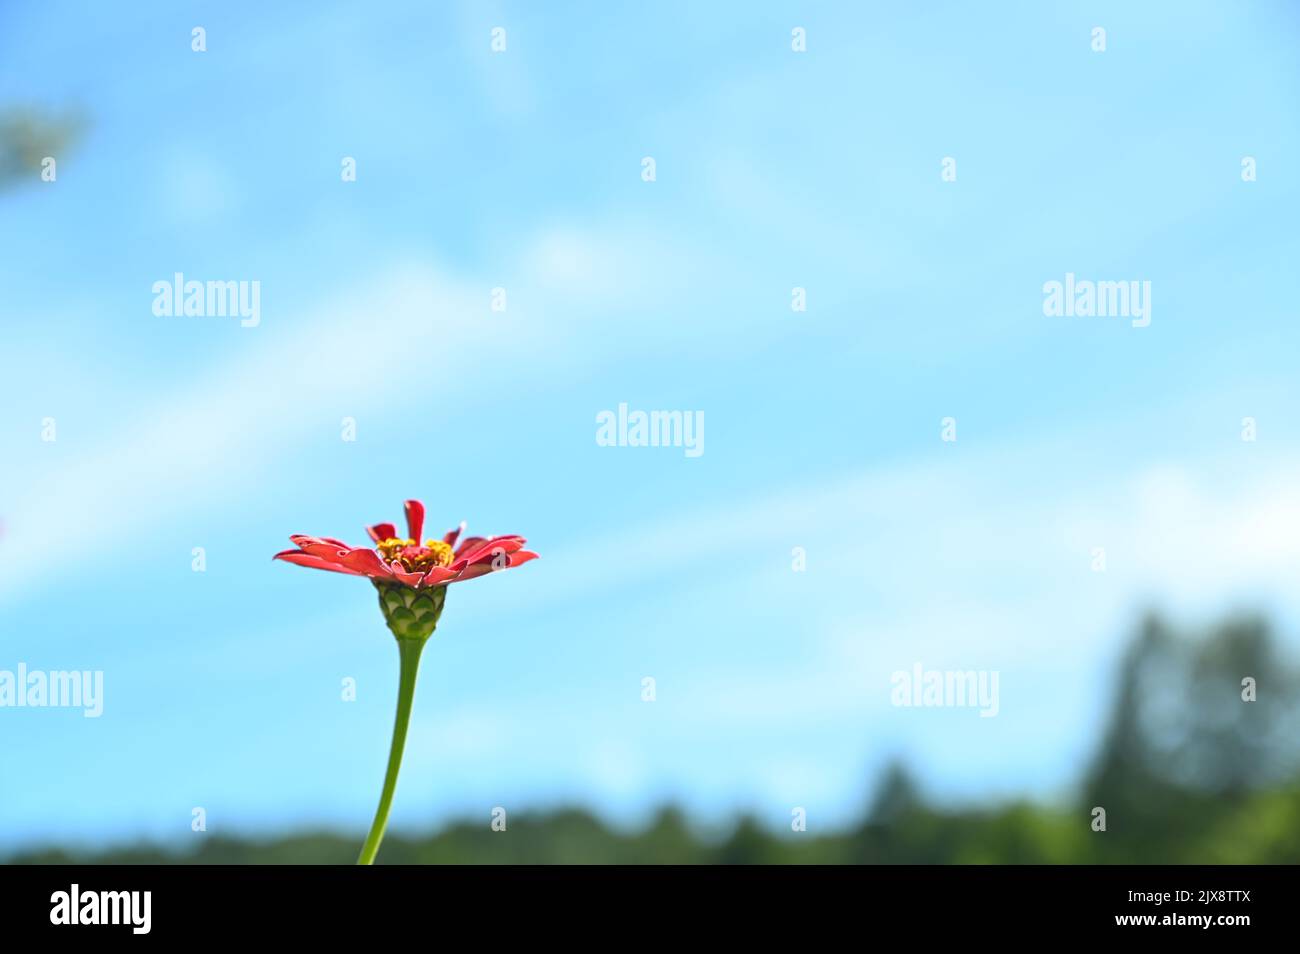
[{"x": 522, "y": 170}]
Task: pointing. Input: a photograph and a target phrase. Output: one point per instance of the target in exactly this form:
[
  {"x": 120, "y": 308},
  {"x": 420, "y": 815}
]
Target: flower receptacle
[{"x": 411, "y": 613}]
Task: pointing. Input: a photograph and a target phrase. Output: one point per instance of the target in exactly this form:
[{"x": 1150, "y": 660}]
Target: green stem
[{"x": 410, "y": 650}]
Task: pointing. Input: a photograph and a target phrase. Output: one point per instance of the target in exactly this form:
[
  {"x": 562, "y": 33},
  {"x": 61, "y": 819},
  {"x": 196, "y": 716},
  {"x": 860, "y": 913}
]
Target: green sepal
[{"x": 410, "y": 613}]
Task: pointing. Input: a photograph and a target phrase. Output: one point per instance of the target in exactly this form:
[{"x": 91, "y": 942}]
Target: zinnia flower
[
  {"x": 411, "y": 576},
  {"x": 412, "y": 580}
]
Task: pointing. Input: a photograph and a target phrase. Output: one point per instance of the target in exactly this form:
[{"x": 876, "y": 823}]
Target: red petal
[
  {"x": 470, "y": 572},
  {"x": 475, "y": 545},
  {"x": 487, "y": 550},
  {"x": 450, "y": 536},
  {"x": 306, "y": 559},
  {"x": 415, "y": 519},
  {"x": 382, "y": 531},
  {"x": 328, "y": 550},
  {"x": 366, "y": 562},
  {"x": 299, "y": 537},
  {"x": 482, "y": 569},
  {"x": 489, "y": 565},
  {"x": 476, "y": 570},
  {"x": 467, "y": 544},
  {"x": 402, "y": 576},
  {"x": 438, "y": 574}
]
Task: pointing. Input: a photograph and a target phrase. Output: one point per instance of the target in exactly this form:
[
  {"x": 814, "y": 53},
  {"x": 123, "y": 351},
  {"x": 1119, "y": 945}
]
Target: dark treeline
[{"x": 1200, "y": 763}]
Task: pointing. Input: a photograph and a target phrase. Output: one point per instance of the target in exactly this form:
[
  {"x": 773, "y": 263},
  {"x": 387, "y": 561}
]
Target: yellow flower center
[{"x": 414, "y": 557}]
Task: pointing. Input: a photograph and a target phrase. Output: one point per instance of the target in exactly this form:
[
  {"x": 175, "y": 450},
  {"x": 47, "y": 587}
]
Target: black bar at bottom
[{"x": 332, "y": 904}]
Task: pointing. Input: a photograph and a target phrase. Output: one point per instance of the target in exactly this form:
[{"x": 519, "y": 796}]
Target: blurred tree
[
  {"x": 27, "y": 136},
  {"x": 1187, "y": 770},
  {"x": 897, "y": 796},
  {"x": 1185, "y": 744}
]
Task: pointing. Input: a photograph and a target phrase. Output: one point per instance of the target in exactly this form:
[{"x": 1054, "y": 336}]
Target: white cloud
[
  {"x": 1004, "y": 526},
  {"x": 210, "y": 437},
  {"x": 215, "y": 434}
]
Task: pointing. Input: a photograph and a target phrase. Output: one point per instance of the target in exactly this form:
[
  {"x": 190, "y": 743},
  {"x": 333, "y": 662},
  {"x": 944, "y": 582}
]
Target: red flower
[
  {"x": 404, "y": 560},
  {"x": 411, "y": 579}
]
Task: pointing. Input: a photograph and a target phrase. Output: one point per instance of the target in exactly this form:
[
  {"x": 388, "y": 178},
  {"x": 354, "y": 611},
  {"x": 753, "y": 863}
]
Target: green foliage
[
  {"x": 1188, "y": 771},
  {"x": 27, "y": 136}
]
